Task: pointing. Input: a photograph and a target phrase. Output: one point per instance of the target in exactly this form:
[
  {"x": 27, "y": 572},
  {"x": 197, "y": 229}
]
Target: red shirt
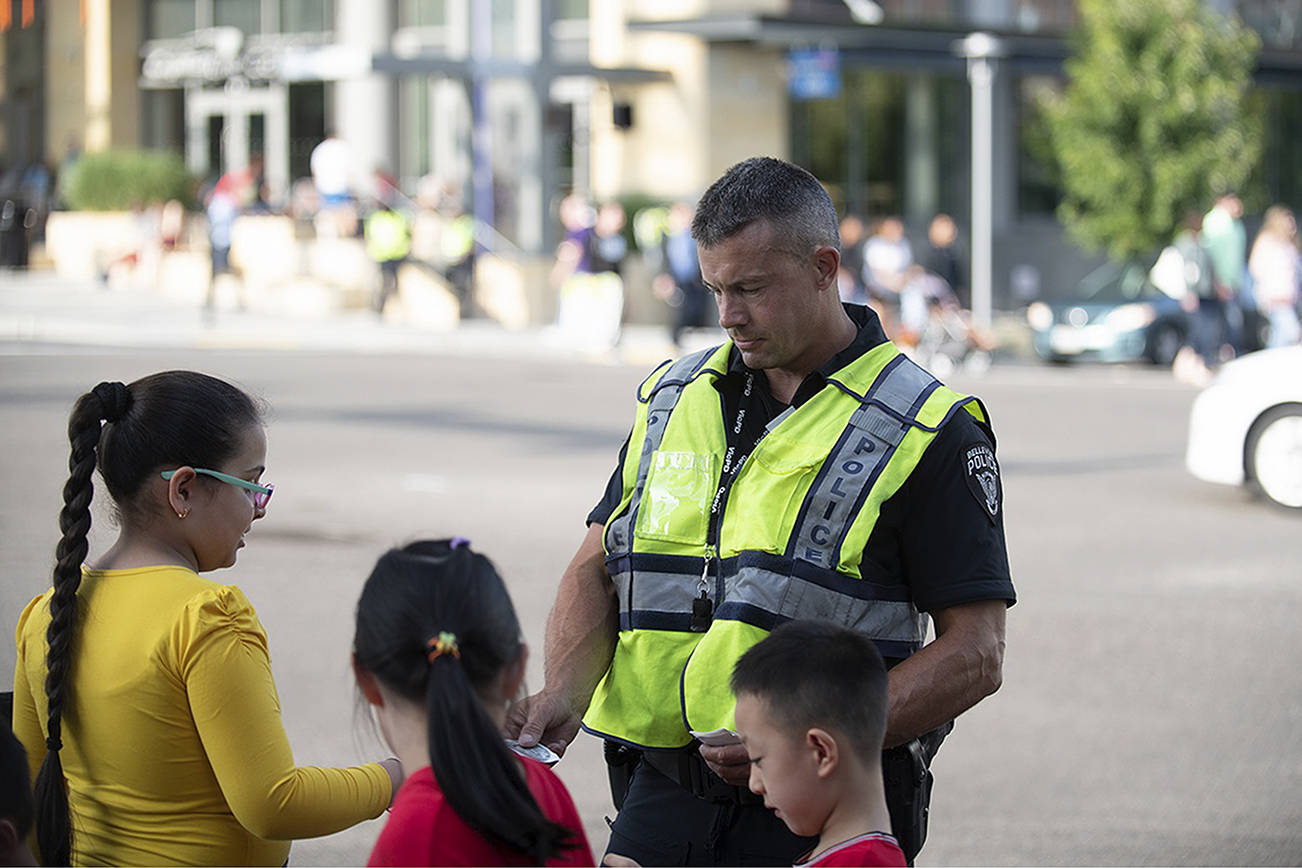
[
  {"x": 875, "y": 848},
  {"x": 424, "y": 830}
]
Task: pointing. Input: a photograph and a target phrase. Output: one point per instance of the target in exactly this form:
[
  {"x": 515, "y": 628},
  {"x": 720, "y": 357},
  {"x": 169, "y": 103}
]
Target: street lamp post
[{"x": 982, "y": 51}]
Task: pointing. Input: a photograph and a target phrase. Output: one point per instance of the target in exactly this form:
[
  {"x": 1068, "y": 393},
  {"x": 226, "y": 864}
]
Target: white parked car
[{"x": 1246, "y": 426}]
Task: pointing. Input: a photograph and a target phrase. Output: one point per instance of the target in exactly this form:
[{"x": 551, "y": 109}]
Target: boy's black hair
[
  {"x": 812, "y": 674},
  {"x": 418, "y": 593},
  {"x": 16, "y": 802}
]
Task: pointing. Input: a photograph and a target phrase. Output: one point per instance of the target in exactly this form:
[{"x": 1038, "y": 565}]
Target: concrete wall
[
  {"x": 748, "y": 107},
  {"x": 65, "y": 78},
  {"x": 91, "y": 73}
]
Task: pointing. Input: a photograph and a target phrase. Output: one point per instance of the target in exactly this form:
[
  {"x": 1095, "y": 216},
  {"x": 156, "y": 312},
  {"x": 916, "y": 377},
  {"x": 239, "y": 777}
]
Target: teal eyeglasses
[{"x": 261, "y": 493}]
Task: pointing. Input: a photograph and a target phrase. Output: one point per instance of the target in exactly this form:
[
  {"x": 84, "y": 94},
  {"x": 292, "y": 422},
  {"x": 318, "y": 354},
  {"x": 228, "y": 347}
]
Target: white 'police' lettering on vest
[
  {"x": 982, "y": 473},
  {"x": 833, "y": 502}
]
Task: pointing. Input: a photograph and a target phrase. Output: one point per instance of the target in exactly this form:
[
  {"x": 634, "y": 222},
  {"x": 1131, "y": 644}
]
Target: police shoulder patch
[{"x": 983, "y": 481}]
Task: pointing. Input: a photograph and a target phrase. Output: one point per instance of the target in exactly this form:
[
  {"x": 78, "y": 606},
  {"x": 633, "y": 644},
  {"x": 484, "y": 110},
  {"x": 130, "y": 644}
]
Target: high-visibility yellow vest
[
  {"x": 388, "y": 236},
  {"x": 791, "y": 533}
]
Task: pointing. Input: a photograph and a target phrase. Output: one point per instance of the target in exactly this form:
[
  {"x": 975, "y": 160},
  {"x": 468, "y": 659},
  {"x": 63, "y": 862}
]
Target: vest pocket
[
  {"x": 676, "y": 499},
  {"x": 763, "y": 504}
]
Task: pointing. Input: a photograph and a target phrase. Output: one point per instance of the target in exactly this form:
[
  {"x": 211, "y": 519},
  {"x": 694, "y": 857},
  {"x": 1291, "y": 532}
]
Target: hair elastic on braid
[
  {"x": 443, "y": 643},
  {"x": 114, "y": 399}
]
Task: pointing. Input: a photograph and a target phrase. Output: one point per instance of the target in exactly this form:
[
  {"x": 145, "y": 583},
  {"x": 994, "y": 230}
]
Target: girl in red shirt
[{"x": 438, "y": 654}]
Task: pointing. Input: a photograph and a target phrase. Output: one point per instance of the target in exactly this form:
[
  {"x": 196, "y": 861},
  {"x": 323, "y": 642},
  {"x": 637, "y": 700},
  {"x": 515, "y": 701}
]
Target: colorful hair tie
[
  {"x": 443, "y": 643},
  {"x": 459, "y": 541}
]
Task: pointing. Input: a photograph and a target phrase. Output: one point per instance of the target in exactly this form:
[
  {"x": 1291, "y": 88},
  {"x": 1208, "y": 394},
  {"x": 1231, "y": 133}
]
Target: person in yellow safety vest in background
[
  {"x": 388, "y": 242},
  {"x": 804, "y": 469}
]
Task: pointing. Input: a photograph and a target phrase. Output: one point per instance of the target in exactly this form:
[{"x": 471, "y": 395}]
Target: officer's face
[
  {"x": 769, "y": 299},
  {"x": 784, "y": 768}
]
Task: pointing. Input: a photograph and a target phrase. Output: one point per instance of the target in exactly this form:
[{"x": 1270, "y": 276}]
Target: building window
[
  {"x": 164, "y": 119},
  {"x": 1039, "y": 180},
  {"x": 244, "y": 14},
  {"x": 422, "y": 13},
  {"x": 306, "y": 16},
  {"x": 569, "y": 10},
  {"x": 414, "y": 158},
  {"x": 307, "y": 126},
  {"x": 169, "y": 19},
  {"x": 1278, "y": 177}
]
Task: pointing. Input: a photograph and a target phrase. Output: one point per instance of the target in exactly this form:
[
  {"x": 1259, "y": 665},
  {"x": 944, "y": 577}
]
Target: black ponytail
[
  {"x": 413, "y": 595},
  {"x": 176, "y": 416}
]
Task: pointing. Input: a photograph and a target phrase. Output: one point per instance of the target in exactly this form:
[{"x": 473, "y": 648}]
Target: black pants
[{"x": 661, "y": 823}]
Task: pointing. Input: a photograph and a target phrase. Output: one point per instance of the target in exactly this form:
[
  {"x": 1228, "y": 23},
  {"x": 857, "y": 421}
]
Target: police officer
[{"x": 803, "y": 469}]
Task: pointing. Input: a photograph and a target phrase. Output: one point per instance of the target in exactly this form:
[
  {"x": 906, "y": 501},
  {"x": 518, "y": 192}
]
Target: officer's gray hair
[{"x": 764, "y": 188}]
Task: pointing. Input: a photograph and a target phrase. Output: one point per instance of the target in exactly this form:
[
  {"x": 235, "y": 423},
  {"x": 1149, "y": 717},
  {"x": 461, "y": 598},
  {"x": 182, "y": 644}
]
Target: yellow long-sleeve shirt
[{"x": 173, "y": 745}]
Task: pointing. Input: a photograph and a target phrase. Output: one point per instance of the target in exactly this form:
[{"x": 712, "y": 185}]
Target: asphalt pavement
[{"x": 1151, "y": 712}]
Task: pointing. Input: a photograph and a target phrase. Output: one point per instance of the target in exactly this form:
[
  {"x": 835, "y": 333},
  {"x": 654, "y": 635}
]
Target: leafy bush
[
  {"x": 1156, "y": 120},
  {"x": 119, "y": 180}
]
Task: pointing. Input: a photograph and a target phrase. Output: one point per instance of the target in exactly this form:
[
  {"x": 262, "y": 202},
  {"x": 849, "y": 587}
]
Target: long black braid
[{"x": 107, "y": 401}]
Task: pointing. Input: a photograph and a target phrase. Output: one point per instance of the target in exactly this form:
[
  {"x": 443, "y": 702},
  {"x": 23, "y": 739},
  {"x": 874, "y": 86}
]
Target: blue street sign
[{"x": 814, "y": 73}]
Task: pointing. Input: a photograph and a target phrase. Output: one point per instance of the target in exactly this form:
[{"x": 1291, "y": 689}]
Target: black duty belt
[{"x": 689, "y": 771}]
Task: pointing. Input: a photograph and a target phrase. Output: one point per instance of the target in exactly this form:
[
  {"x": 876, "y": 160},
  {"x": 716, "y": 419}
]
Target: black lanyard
[{"x": 743, "y": 436}]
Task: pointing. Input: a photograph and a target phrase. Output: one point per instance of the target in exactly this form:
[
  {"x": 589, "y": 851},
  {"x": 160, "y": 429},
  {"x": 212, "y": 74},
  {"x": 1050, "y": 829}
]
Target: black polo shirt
[{"x": 941, "y": 534}]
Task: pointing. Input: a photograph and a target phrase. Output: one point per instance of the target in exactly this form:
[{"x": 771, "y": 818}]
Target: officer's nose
[
  {"x": 755, "y": 783},
  {"x": 732, "y": 314}
]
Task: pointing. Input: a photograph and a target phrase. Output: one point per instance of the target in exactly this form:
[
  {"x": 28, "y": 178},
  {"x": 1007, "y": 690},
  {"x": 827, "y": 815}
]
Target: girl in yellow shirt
[{"x": 143, "y": 692}]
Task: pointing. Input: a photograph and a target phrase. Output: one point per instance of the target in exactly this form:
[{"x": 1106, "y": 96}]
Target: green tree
[{"x": 1155, "y": 120}]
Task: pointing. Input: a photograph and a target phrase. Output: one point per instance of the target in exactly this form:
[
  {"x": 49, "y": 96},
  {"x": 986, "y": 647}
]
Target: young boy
[{"x": 811, "y": 711}]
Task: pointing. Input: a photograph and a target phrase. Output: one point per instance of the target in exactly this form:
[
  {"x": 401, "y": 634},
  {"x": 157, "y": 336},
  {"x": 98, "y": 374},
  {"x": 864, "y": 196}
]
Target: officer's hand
[
  {"x": 614, "y": 860},
  {"x": 729, "y": 762},
  {"x": 544, "y": 718}
]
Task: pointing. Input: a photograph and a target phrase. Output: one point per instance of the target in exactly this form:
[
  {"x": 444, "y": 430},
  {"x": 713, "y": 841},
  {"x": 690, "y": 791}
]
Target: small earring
[{"x": 183, "y": 514}]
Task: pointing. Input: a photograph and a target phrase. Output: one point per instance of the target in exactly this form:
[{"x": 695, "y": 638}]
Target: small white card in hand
[
  {"x": 539, "y": 752},
  {"x": 717, "y": 737}
]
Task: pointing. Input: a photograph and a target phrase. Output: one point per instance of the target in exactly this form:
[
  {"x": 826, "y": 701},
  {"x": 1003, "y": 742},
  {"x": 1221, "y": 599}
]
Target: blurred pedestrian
[
  {"x": 944, "y": 258},
  {"x": 332, "y": 168},
  {"x": 1274, "y": 267},
  {"x": 573, "y": 254},
  {"x": 680, "y": 284},
  {"x": 887, "y": 257},
  {"x": 143, "y": 691},
  {"x": 850, "y": 282},
  {"x": 1206, "y": 313},
  {"x": 234, "y": 193},
  {"x": 388, "y": 243},
  {"x": 438, "y": 654},
  {"x": 1226, "y": 243},
  {"x": 607, "y": 246}
]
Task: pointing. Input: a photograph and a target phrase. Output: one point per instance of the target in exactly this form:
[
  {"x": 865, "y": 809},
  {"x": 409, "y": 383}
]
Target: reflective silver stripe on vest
[
  {"x": 785, "y": 598},
  {"x": 656, "y": 591},
  {"x": 857, "y": 460},
  {"x": 664, "y": 397},
  {"x": 766, "y": 597}
]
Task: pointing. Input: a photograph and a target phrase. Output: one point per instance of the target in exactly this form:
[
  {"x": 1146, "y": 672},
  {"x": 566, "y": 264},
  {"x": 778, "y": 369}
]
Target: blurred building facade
[{"x": 510, "y": 103}]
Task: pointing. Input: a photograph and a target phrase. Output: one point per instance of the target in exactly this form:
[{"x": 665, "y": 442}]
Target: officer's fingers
[
  {"x": 516, "y": 717},
  {"x": 614, "y": 860},
  {"x": 536, "y": 722},
  {"x": 559, "y": 738},
  {"x": 725, "y": 755}
]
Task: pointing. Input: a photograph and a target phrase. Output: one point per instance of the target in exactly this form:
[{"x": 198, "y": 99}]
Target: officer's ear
[{"x": 823, "y": 750}]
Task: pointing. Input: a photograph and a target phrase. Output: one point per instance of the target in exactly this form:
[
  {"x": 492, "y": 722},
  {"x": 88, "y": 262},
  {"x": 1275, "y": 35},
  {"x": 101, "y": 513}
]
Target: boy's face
[{"x": 784, "y": 769}]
